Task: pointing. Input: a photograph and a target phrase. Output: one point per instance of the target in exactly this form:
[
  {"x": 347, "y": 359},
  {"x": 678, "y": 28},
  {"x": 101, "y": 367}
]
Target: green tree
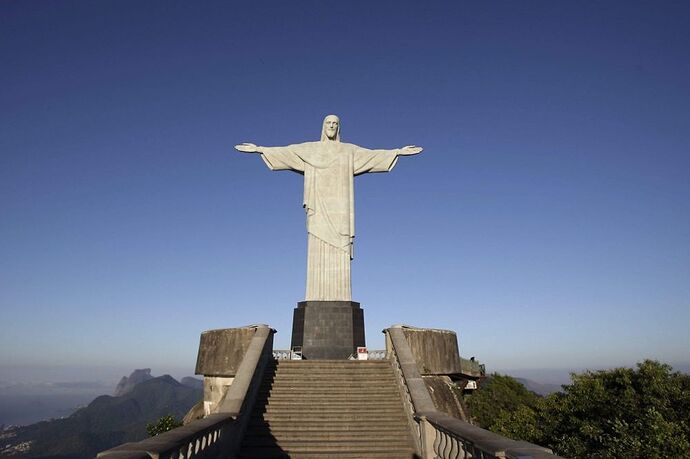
[
  {"x": 164, "y": 424},
  {"x": 497, "y": 396},
  {"x": 624, "y": 412}
]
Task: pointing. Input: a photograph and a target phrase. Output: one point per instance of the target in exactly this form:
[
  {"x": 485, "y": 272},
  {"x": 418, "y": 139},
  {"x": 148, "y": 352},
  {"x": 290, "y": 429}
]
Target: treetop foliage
[{"x": 623, "y": 412}]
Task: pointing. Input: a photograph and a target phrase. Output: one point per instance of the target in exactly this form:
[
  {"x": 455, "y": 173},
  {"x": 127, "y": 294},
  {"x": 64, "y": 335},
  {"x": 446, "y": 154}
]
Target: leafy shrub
[{"x": 164, "y": 424}]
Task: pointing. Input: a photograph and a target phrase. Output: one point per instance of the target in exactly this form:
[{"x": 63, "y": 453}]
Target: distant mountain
[
  {"x": 194, "y": 383},
  {"x": 539, "y": 388},
  {"x": 106, "y": 422},
  {"x": 127, "y": 384}
]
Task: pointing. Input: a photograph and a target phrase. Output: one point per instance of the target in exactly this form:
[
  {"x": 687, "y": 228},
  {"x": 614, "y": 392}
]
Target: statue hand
[
  {"x": 247, "y": 148},
  {"x": 410, "y": 150}
]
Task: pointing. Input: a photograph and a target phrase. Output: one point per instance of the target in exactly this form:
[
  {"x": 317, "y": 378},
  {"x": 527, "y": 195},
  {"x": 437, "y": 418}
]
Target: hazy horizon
[
  {"x": 36, "y": 393},
  {"x": 109, "y": 376}
]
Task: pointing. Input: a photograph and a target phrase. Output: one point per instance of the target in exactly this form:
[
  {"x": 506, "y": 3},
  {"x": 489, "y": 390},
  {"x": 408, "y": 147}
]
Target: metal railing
[
  {"x": 287, "y": 354},
  {"x": 378, "y": 354},
  {"x": 282, "y": 354}
]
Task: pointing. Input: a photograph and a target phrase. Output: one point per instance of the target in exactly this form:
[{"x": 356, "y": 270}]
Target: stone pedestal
[
  {"x": 328, "y": 329},
  {"x": 221, "y": 353}
]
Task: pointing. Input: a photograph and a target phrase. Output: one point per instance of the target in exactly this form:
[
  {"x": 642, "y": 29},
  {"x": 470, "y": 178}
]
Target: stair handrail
[
  {"x": 448, "y": 436},
  {"x": 219, "y": 434},
  {"x": 203, "y": 439},
  {"x": 249, "y": 372},
  {"x": 415, "y": 396},
  {"x": 438, "y": 435}
]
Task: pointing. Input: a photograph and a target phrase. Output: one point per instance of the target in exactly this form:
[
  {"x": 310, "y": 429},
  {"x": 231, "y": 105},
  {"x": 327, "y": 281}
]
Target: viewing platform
[{"x": 257, "y": 406}]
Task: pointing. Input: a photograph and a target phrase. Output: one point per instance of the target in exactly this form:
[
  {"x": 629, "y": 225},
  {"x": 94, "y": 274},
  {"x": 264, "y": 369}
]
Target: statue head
[{"x": 331, "y": 128}]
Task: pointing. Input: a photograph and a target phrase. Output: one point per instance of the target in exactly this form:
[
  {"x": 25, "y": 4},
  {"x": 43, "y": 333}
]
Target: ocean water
[{"x": 22, "y": 409}]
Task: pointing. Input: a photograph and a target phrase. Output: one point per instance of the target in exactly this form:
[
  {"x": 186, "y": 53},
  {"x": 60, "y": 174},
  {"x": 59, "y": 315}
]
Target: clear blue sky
[{"x": 547, "y": 221}]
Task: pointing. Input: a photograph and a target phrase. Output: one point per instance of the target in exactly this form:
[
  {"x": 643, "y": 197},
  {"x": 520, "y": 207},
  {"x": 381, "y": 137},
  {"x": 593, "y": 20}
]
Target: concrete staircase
[{"x": 328, "y": 409}]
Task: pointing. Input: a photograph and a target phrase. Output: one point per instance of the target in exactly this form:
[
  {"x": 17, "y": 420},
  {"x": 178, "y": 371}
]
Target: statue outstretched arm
[
  {"x": 247, "y": 148},
  {"x": 380, "y": 160},
  {"x": 276, "y": 158},
  {"x": 410, "y": 150}
]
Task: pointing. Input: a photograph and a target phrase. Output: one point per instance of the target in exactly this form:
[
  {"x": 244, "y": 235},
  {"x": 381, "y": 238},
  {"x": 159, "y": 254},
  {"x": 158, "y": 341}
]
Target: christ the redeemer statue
[{"x": 329, "y": 167}]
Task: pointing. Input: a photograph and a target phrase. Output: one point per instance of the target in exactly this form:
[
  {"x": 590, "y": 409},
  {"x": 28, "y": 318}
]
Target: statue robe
[{"x": 329, "y": 168}]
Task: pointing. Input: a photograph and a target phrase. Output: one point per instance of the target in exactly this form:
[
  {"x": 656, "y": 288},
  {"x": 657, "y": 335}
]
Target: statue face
[{"x": 331, "y": 125}]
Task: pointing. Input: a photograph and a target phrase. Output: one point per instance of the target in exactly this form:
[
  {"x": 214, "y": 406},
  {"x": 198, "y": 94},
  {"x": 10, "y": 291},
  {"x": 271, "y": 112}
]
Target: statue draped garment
[{"x": 329, "y": 168}]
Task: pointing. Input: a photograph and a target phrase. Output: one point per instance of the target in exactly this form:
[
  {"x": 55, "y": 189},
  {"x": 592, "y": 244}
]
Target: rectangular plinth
[
  {"x": 221, "y": 351},
  {"x": 328, "y": 329}
]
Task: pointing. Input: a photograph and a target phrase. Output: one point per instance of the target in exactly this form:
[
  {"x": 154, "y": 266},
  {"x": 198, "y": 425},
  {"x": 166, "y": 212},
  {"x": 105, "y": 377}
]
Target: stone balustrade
[
  {"x": 203, "y": 439},
  {"x": 446, "y": 437},
  {"x": 438, "y": 435}
]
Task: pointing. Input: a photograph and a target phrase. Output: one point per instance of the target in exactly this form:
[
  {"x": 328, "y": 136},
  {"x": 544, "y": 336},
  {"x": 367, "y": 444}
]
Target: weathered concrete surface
[
  {"x": 434, "y": 350},
  {"x": 221, "y": 351},
  {"x": 328, "y": 330},
  {"x": 445, "y": 399},
  {"x": 215, "y": 388}
]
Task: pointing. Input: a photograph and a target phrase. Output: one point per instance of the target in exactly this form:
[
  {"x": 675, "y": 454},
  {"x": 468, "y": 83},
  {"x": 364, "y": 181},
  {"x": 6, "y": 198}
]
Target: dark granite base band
[{"x": 328, "y": 329}]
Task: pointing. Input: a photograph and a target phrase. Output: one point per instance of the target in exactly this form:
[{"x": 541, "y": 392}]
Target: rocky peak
[{"x": 126, "y": 384}]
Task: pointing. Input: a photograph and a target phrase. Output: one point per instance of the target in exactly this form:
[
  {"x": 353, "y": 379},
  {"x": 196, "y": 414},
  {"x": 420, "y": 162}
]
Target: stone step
[
  {"x": 278, "y": 453},
  {"x": 336, "y": 413},
  {"x": 341, "y": 363},
  {"x": 305, "y": 380},
  {"x": 321, "y": 417},
  {"x": 324, "y": 416},
  {"x": 340, "y": 369},
  {"x": 336, "y": 365},
  {"x": 305, "y": 398},
  {"x": 328, "y": 409},
  {"x": 326, "y": 364},
  {"x": 329, "y": 377},
  {"x": 344, "y": 423},
  {"x": 332, "y": 388},
  {"x": 380, "y": 409},
  {"x": 257, "y": 438},
  {"x": 330, "y": 449},
  {"x": 326, "y": 419},
  {"x": 326, "y": 400},
  {"x": 297, "y": 393},
  {"x": 325, "y": 384},
  {"x": 329, "y": 396},
  {"x": 331, "y": 373},
  {"x": 290, "y": 428},
  {"x": 333, "y": 445},
  {"x": 326, "y": 392},
  {"x": 336, "y": 369},
  {"x": 335, "y": 404}
]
